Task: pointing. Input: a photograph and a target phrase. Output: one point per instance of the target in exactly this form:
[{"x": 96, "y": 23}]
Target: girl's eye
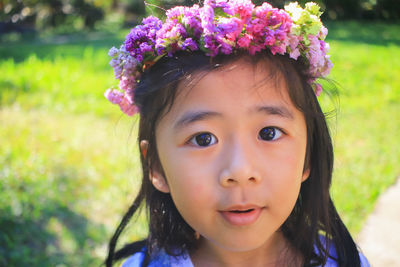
[
  {"x": 203, "y": 139},
  {"x": 269, "y": 133}
]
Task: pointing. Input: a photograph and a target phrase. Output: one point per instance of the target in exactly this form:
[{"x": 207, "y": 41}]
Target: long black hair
[{"x": 314, "y": 224}]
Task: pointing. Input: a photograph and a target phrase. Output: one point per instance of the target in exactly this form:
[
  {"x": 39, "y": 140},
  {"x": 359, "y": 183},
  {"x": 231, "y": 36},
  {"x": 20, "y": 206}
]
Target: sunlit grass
[
  {"x": 69, "y": 164},
  {"x": 64, "y": 84},
  {"x": 65, "y": 180},
  {"x": 368, "y": 126}
]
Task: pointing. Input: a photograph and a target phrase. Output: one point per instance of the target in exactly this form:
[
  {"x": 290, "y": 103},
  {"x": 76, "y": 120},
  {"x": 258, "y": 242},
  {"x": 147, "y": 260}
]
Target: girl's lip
[{"x": 241, "y": 215}]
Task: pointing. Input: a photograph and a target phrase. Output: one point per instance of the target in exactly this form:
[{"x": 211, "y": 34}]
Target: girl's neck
[{"x": 275, "y": 252}]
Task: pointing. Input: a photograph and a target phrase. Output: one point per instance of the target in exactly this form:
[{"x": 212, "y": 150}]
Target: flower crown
[{"x": 220, "y": 27}]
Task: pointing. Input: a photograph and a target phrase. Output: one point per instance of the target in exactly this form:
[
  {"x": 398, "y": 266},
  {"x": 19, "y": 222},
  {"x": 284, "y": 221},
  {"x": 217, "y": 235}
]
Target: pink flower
[
  {"x": 128, "y": 107},
  {"x": 244, "y": 8},
  {"x": 114, "y": 96},
  {"x": 326, "y": 69},
  {"x": 324, "y": 47},
  {"x": 315, "y": 55},
  {"x": 244, "y": 41},
  {"x": 295, "y": 53},
  {"x": 207, "y": 17},
  {"x": 253, "y": 49},
  {"x": 293, "y": 41},
  {"x": 263, "y": 10},
  {"x": 127, "y": 83},
  {"x": 218, "y": 27},
  {"x": 317, "y": 89},
  {"x": 269, "y": 38},
  {"x": 278, "y": 49},
  {"x": 323, "y": 32}
]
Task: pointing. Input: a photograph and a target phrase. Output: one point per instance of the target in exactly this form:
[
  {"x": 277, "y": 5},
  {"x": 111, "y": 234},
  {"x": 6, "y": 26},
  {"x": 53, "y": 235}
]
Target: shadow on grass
[
  {"x": 40, "y": 228},
  {"x": 375, "y": 33},
  {"x": 72, "y": 45}
]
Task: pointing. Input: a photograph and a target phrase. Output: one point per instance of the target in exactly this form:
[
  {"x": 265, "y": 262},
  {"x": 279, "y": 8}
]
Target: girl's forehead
[
  {"x": 240, "y": 80},
  {"x": 242, "y": 68}
]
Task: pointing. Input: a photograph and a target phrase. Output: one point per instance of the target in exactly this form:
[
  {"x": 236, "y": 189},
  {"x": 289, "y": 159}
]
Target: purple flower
[
  {"x": 115, "y": 62},
  {"x": 141, "y": 39},
  {"x": 207, "y": 17},
  {"x": 175, "y": 12},
  {"x": 211, "y": 45},
  {"x": 145, "y": 47},
  {"x": 224, "y": 46},
  {"x": 269, "y": 38},
  {"x": 219, "y": 27},
  {"x": 160, "y": 47},
  {"x": 113, "y": 52},
  {"x": 191, "y": 19},
  {"x": 189, "y": 43},
  {"x": 130, "y": 65},
  {"x": 152, "y": 22},
  {"x": 227, "y": 25},
  {"x": 170, "y": 37}
]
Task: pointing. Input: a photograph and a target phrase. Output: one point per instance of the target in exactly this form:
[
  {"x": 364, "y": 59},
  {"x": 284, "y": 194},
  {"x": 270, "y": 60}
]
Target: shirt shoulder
[
  {"x": 134, "y": 261},
  {"x": 331, "y": 262},
  {"x": 363, "y": 260},
  {"x": 181, "y": 261},
  {"x": 160, "y": 259}
]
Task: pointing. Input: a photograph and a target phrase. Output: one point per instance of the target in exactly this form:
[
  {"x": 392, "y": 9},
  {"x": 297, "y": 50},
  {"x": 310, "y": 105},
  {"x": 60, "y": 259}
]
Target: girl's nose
[{"x": 240, "y": 168}]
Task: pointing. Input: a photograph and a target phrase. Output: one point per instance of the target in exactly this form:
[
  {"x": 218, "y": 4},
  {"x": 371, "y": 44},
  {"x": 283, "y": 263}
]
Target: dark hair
[{"x": 314, "y": 214}]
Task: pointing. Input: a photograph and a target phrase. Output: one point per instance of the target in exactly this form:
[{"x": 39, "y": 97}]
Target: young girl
[{"x": 236, "y": 154}]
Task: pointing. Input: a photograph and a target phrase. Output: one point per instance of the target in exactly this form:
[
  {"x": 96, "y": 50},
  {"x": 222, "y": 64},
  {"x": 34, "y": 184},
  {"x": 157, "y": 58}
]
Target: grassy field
[{"x": 68, "y": 159}]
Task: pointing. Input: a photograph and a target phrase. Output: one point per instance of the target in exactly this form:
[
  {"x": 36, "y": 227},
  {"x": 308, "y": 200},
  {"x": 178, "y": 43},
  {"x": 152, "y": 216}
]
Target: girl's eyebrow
[
  {"x": 194, "y": 116},
  {"x": 275, "y": 110}
]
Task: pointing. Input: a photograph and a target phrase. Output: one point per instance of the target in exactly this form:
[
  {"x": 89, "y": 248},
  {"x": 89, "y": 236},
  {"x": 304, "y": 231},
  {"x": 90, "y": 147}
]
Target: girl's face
[{"x": 232, "y": 151}]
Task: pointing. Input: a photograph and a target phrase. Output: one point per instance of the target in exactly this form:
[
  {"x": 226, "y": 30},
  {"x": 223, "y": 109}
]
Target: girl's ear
[
  {"x": 144, "y": 145},
  {"x": 156, "y": 177},
  {"x": 306, "y": 174},
  {"x": 159, "y": 182}
]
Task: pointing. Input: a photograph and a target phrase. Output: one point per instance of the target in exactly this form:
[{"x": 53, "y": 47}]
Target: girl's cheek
[{"x": 197, "y": 181}]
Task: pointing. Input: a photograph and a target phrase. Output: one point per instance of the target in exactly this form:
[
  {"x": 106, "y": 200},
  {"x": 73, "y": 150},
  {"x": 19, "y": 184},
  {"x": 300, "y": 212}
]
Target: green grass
[
  {"x": 367, "y": 128},
  {"x": 69, "y": 165},
  {"x": 61, "y": 178}
]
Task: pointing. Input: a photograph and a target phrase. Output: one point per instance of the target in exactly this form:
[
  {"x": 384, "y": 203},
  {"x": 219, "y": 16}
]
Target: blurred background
[{"x": 68, "y": 159}]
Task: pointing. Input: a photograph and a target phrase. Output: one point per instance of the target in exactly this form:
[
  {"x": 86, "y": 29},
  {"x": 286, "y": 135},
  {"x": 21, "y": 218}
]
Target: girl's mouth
[
  {"x": 241, "y": 217},
  {"x": 241, "y": 211}
]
